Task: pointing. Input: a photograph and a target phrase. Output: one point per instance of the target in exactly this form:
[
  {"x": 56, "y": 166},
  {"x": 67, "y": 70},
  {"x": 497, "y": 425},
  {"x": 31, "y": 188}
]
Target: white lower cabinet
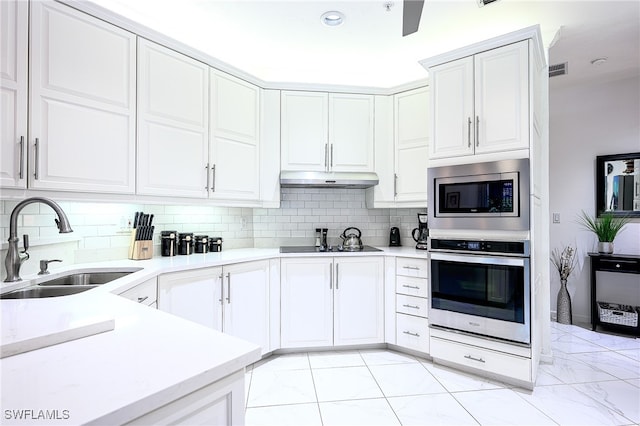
[
  {"x": 220, "y": 403},
  {"x": 412, "y": 332},
  {"x": 145, "y": 293},
  {"x": 233, "y": 299},
  {"x": 487, "y": 360},
  {"x": 412, "y": 290},
  {"x": 332, "y": 301}
]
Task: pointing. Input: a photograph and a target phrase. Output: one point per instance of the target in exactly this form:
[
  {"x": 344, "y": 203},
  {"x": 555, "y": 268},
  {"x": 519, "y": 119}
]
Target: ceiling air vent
[{"x": 558, "y": 69}]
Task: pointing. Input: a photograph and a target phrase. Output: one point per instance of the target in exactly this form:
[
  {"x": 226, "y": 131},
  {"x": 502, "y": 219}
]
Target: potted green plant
[{"x": 606, "y": 228}]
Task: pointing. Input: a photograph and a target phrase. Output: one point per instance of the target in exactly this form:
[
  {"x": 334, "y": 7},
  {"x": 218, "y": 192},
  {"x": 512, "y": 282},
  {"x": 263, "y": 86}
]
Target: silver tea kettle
[{"x": 351, "y": 241}]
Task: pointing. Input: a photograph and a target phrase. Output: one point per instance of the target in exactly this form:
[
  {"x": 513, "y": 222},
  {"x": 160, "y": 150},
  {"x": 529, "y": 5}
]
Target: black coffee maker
[{"x": 421, "y": 233}]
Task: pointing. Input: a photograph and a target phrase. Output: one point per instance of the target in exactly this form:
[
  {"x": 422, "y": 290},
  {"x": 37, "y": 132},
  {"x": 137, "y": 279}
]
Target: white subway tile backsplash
[{"x": 100, "y": 226}]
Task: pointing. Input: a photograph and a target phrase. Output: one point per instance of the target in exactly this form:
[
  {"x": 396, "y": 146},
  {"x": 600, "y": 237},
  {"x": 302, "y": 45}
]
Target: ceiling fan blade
[{"x": 411, "y": 12}]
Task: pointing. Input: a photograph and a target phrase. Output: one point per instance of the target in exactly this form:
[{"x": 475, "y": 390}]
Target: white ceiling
[{"x": 285, "y": 42}]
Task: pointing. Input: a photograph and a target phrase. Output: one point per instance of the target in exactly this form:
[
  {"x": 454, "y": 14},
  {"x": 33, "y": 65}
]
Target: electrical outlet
[{"x": 556, "y": 218}]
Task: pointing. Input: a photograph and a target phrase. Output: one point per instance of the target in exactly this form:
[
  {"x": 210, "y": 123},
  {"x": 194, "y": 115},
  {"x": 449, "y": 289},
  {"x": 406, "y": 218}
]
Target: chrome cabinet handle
[
  {"x": 395, "y": 184},
  {"x": 411, "y": 286},
  {"x": 37, "y": 159},
  {"x": 415, "y": 268},
  {"x": 221, "y": 289},
  {"x": 477, "y": 130},
  {"x": 469, "y": 132},
  {"x": 213, "y": 179},
  {"x": 142, "y": 299},
  {"x": 326, "y": 156},
  {"x": 21, "y": 172},
  {"x": 330, "y": 277},
  {"x": 411, "y": 306},
  {"x": 337, "y": 275},
  {"x": 331, "y": 157},
  {"x": 228, "y": 287},
  {"x": 475, "y": 359},
  {"x": 411, "y": 334},
  {"x": 206, "y": 168}
]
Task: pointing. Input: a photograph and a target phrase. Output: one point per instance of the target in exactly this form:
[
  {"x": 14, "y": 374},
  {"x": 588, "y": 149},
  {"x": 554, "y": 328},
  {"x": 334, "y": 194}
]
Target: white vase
[{"x": 605, "y": 247}]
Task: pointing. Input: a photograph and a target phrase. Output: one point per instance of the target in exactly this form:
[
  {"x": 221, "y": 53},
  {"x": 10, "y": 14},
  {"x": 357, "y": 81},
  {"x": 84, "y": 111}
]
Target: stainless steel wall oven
[{"x": 481, "y": 287}]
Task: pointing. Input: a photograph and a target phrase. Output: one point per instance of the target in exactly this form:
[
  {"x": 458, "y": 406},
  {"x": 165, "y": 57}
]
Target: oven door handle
[{"x": 484, "y": 259}]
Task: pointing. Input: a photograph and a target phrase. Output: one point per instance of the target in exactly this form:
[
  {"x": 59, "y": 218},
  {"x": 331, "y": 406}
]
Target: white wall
[{"x": 587, "y": 121}]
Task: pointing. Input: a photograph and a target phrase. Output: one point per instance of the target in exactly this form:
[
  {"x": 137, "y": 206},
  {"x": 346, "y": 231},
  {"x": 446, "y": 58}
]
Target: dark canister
[
  {"x": 185, "y": 243},
  {"x": 215, "y": 244},
  {"x": 169, "y": 243},
  {"x": 201, "y": 244}
]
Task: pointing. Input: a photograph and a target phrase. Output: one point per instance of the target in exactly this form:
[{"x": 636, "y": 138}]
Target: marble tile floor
[{"x": 594, "y": 380}]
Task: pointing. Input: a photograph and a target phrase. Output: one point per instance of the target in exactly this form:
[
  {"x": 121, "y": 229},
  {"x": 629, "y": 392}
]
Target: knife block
[{"x": 140, "y": 249}]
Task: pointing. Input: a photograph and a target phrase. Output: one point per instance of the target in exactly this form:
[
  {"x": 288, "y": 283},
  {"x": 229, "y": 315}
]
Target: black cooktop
[{"x": 330, "y": 249}]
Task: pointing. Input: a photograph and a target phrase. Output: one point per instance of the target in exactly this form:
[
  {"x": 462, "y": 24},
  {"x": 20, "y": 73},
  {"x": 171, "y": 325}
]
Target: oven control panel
[{"x": 520, "y": 248}]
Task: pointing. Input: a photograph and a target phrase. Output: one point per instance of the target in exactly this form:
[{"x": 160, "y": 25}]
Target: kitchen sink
[
  {"x": 86, "y": 278},
  {"x": 71, "y": 283},
  {"x": 37, "y": 291}
]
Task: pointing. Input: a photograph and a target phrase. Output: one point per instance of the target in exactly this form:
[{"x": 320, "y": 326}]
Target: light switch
[{"x": 556, "y": 218}]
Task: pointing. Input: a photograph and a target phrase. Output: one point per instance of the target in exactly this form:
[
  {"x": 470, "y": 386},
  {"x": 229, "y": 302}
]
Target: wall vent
[{"x": 558, "y": 69}]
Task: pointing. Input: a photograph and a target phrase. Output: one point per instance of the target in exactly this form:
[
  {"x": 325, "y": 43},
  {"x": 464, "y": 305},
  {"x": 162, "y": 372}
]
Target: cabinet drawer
[
  {"x": 412, "y": 286},
  {"x": 145, "y": 293},
  {"x": 507, "y": 365},
  {"x": 412, "y": 267},
  {"x": 618, "y": 265},
  {"x": 411, "y": 305},
  {"x": 412, "y": 332}
]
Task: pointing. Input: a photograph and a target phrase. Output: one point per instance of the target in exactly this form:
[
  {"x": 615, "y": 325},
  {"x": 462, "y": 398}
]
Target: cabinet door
[
  {"x": 82, "y": 106},
  {"x": 192, "y": 295},
  {"x": 502, "y": 98},
  {"x": 234, "y": 155},
  {"x": 13, "y": 91},
  {"x": 304, "y": 131},
  {"x": 173, "y": 135},
  {"x": 350, "y": 132},
  {"x": 452, "y": 109},
  {"x": 306, "y": 302},
  {"x": 246, "y": 302},
  {"x": 411, "y": 145},
  {"x": 359, "y": 301}
]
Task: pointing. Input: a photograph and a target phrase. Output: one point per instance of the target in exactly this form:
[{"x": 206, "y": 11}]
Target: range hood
[{"x": 299, "y": 179}]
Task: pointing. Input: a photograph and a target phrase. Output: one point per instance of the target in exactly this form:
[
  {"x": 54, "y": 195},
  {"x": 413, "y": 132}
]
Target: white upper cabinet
[
  {"x": 327, "y": 131},
  {"x": 234, "y": 155},
  {"x": 411, "y": 112},
  {"x": 402, "y": 134},
  {"x": 305, "y": 131},
  {"x": 82, "y": 105},
  {"x": 480, "y": 104},
  {"x": 173, "y": 123},
  {"x": 350, "y": 132},
  {"x": 14, "y": 15}
]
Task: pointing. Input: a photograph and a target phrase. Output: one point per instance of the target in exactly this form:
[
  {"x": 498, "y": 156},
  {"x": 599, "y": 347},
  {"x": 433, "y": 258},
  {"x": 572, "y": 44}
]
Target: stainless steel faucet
[{"x": 14, "y": 260}]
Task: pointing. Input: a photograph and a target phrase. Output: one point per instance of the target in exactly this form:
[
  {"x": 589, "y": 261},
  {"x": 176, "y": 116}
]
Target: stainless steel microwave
[{"x": 480, "y": 196}]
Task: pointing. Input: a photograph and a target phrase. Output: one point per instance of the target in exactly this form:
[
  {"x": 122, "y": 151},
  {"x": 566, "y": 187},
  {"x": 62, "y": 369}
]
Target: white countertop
[{"x": 148, "y": 359}]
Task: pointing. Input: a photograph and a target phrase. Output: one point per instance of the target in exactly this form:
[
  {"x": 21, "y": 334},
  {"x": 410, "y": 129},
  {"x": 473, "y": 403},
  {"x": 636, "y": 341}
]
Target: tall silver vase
[{"x": 563, "y": 311}]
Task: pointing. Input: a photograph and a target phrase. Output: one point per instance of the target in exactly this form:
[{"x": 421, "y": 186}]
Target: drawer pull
[
  {"x": 415, "y": 268},
  {"x": 475, "y": 359},
  {"x": 142, "y": 299},
  {"x": 411, "y": 334},
  {"x": 617, "y": 265},
  {"x": 411, "y": 286},
  {"x": 411, "y": 306}
]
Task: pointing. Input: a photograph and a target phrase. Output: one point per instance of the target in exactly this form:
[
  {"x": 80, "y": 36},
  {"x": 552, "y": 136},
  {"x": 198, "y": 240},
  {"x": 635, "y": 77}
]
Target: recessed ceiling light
[
  {"x": 332, "y": 18},
  {"x": 598, "y": 61}
]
